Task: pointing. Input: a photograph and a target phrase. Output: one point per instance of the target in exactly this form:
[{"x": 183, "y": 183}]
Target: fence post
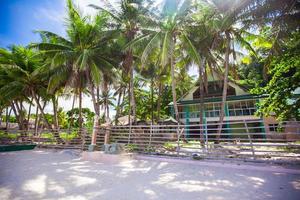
[
  {"x": 82, "y": 139},
  {"x": 206, "y": 136},
  {"x": 178, "y": 138},
  {"x": 179, "y": 133},
  {"x": 150, "y": 138},
  {"x": 129, "y": 134},
  {"x": 250, "y": 139},
  {"x": 95, "y": 130}
]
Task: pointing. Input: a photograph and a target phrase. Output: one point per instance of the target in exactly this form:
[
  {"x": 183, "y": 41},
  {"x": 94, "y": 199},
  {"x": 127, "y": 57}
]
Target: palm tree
[
  {"x": 128, "y": 20},
  {"x": 165, "y": 35},
  {"x": 120, "y": 86},
  {"x": 79, "y": 60},
  {"x": 228, "y": 14},
  {"x": 18, "y": 78},
  {"x": 106, "y": 100}
]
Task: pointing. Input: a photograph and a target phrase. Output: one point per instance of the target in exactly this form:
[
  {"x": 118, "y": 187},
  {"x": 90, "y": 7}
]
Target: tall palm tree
[
  {"x": 79, "y": 60},
  {"x": 229, "y": 31},
  {"x": 106, "y": 100},
  {"x": 169, "y": 30},
  {"x": 120, "y": 86},
  {"x": 128, "y": 20}
]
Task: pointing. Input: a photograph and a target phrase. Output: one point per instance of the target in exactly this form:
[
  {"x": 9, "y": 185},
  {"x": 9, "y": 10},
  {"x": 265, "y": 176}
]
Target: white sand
[{"x": 42, "y": 174}]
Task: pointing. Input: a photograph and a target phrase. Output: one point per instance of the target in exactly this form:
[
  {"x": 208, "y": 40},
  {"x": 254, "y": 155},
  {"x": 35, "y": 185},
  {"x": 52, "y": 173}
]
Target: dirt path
[{"x": 53, "y": 175}]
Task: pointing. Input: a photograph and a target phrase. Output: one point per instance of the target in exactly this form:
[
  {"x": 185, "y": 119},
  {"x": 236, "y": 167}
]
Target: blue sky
[{"x": 19, "y": 18}]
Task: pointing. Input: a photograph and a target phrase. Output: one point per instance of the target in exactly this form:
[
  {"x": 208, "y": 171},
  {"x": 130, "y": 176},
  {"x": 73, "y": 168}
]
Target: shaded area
[{"x": 48, "y": 174}]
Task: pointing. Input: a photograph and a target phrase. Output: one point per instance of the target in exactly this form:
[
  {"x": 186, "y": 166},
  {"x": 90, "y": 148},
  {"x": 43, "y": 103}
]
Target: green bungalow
[{"x": 240, "y": 108}]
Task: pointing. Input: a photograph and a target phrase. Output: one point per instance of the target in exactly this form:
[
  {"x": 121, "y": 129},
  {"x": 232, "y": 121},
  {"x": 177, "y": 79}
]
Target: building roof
[{"x": 242, "y": 94}]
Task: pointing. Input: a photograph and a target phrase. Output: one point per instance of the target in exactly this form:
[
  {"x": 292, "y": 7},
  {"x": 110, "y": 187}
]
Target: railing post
[{"x": 250, "y": 139}]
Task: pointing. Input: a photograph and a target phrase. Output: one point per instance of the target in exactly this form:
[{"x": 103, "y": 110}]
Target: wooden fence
[{"x": 240, "y": 140}]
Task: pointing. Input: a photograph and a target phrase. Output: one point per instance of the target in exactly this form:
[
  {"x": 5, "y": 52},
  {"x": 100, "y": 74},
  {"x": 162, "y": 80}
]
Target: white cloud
[
  {"x": 85, "y": 8},
  {"x": 52, "y": 13}
]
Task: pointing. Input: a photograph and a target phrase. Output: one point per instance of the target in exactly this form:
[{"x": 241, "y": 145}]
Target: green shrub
[
  {"x": 169, "y": 146},
  {"x": 131, "y": 147}
]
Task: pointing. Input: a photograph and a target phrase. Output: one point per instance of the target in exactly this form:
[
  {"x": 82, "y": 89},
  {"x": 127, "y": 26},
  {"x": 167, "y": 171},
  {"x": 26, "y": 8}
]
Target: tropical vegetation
[{"x": 135, "y": 57}]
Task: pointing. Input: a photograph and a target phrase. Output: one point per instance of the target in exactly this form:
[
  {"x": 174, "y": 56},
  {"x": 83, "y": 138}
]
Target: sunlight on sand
[
  {"x": 37, "y": 185},
  {"x": 81, "y": 181}
]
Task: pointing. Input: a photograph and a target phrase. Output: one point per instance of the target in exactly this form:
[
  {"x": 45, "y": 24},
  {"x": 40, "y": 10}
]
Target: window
[
  {"x": 273, "y": 127},
  {"x": 241, "y": 108}
]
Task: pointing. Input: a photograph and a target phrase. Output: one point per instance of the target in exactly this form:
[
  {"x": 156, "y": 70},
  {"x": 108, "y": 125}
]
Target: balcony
[
  {"x": 233, "y": 109},
  {"x": 216, "y": 113}
]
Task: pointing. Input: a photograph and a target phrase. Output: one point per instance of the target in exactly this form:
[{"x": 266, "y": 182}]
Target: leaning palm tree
[
  {"x": 18, "y": 80},
  {"x": 20, "y": 67},
  {"x": 78, "y": 60}
]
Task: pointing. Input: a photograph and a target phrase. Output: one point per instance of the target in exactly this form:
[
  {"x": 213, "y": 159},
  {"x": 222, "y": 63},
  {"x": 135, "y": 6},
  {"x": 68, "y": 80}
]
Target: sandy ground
[{"x": 42, "y": 174}]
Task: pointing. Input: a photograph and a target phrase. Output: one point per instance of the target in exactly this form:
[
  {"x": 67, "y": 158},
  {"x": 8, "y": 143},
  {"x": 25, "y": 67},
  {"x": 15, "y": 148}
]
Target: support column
[
  {"x": 172, "y": 111},
  {"x": 94, "y": 134}
]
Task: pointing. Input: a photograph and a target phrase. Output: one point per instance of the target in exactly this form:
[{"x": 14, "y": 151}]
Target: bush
[
  {"x": 131, "y": 147},
  {"x": 169, "y": 146}
]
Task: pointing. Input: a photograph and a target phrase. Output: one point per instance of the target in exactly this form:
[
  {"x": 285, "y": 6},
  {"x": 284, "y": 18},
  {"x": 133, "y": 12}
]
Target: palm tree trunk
[
  {"x": 96, "y": 109},
  {"x": 80, "y": 110},
  {"x": 132, "y": 99},
  {"x": 8, "y": 118},
  {"x": 201, "y": 88},
  {"x": 118, "y": 106},
  {"x": 123, "y": 99},
  {"x": 97, "y": 99},
  {"x": 159, "y": 101},
  {"x": 107, "y": 110},
  {"x": 36, "y": 118},
  {"x": 152, "y": 111},
  {"x": 16, "y": 111},
  {"x": 29, "y": 112},
  {"x": 41, "y": 110},
  {"x": 72, "y": 118},
  {"x": 225, "y": 85},
  {"x": 174, "y": 90},
  {"x": 55, "y": 118},
  {"x": 22, "y": 114},
  {"x": 54, "y": 132},
  {"x": 6, "y": 114},
  {"x": 1, "y": 112}
]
